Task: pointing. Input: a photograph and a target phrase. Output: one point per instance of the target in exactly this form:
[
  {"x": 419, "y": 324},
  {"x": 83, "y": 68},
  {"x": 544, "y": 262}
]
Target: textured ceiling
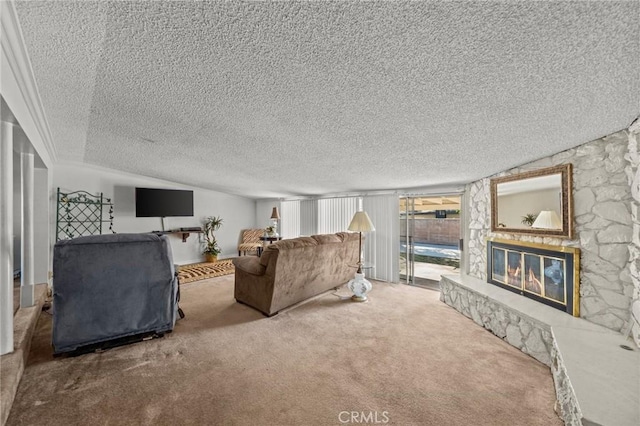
[{"x": 269, "y": 99}]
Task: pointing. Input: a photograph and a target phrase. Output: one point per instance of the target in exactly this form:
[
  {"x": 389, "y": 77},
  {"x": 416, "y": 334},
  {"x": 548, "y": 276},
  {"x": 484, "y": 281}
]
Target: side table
[{"x": 270, "y": 239}]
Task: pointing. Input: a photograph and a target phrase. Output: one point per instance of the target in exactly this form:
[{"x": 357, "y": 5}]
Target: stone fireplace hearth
[{"x": 596, "y": 380}]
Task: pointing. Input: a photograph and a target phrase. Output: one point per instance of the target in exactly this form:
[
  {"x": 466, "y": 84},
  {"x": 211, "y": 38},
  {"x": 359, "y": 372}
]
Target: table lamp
[
  {"x": 275, "y": 216},
  {"x": 359, "y": 286},
  {"x": 547, "y": 219}
]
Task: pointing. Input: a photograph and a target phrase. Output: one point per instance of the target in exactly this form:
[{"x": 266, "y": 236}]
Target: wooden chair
[{"x": 250, "y": 241}]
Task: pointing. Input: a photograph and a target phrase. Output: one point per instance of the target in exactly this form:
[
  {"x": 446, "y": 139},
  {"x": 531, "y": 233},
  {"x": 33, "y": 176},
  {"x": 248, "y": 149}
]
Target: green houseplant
[
  {"x": 528, "y": 219},
  {"x": 211, "y": 249}
]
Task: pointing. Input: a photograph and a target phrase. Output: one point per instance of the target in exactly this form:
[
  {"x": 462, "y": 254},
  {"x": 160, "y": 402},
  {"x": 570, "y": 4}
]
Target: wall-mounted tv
[{"x": 153, "y": 202}]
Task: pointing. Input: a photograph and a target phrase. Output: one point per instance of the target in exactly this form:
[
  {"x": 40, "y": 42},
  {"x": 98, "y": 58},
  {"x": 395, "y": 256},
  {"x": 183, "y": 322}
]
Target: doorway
[{"x": 429, "y": 239}]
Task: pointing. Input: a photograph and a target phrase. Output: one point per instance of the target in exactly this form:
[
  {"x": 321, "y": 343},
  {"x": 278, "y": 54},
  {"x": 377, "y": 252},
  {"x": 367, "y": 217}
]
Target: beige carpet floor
[{"x": 403, "y": 355}]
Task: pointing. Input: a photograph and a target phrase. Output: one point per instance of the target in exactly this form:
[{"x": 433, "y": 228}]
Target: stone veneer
[
  {"x": 530, "y": 336},
  {"x": 606, "y": 225},
  {"x": 596, "y": 381},
  {"x": 633, "y": 175}
]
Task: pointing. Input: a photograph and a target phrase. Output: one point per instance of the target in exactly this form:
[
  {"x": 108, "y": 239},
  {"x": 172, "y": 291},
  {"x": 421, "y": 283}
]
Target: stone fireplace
[
  {"x": 605, "y": 216},
  {"x": 596, "y": 379}
]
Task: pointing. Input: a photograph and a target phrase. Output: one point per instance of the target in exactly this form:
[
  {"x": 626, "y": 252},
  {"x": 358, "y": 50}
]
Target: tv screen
[{"x": 152, "y": 202}]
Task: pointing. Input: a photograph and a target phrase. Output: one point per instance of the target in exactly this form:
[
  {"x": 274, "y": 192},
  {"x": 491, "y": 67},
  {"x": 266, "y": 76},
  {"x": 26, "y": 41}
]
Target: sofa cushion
[
  {"x": 328, "y": 238},
  {"x": 294, "y": 243},
  {"x": 250, "y": 265},
  {"x": 349, "y": 236},
  {"x": 249, "y": 246}
]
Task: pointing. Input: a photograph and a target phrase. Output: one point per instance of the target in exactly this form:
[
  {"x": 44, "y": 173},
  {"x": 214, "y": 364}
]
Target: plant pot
[{"x": 211, "y": 258}]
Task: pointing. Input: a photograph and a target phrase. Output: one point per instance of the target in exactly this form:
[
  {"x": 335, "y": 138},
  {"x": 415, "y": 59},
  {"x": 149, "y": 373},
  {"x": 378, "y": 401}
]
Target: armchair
[
  {"x": 250, "y": 241},
  {"x": 108, "y": 287}
]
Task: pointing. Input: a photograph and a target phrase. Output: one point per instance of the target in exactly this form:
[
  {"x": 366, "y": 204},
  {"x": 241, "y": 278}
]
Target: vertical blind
[
  {"x": 335, "y": 214},
  {"x": 289, "y": 219},
  {"x": 382, "y": 246},
  {"x": 308, "y": 217}
]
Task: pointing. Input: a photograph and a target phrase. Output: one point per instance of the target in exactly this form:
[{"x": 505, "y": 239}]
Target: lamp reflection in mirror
[
  {"x": 359, "y": 286},
  {"x": 547, "y": 219}
]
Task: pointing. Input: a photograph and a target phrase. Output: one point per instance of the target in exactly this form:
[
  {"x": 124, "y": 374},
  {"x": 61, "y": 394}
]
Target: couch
[
  {"x": 290, "y": 271},
  {"x": 109, "y": 288}
]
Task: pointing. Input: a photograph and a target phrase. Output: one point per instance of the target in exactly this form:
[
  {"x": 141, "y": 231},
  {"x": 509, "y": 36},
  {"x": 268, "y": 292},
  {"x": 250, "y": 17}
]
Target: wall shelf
[{"x": 185, "y": 233}]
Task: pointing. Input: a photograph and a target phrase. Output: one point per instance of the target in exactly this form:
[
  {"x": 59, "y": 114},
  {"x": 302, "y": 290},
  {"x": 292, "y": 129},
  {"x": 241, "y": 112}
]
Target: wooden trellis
[{"x": 81, "y": 213}]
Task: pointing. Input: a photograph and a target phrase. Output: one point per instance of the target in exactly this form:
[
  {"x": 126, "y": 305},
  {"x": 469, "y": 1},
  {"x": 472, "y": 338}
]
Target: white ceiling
[{"x": 269, "y": 99}]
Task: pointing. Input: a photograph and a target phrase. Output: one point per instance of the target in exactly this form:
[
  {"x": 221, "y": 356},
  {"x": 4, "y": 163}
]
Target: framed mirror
[{"x": 537, "y": 202}]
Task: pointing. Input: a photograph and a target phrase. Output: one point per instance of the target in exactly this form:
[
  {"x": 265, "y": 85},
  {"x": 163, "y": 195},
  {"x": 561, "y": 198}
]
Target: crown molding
[{"x": 15, "y": 51}]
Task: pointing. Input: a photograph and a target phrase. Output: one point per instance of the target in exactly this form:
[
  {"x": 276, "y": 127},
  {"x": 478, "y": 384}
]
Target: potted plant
[
  {"x": 211, "y": 249},
  {"x": 270, "y": 230},
  {"x": 528, "y": 219}
]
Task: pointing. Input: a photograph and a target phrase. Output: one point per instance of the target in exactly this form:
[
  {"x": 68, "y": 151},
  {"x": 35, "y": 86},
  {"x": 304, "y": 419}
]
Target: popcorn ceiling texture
[
  {"x": 268, "y": 99},
  {"x": 602, "y": 221}
]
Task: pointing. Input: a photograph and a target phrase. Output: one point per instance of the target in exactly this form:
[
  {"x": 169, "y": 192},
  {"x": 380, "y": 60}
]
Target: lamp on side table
[{"x": 359, "y": 286}]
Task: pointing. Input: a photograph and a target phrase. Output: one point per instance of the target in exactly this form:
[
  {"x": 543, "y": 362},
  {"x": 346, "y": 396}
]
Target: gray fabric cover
[{"x": 111, "y": 286}]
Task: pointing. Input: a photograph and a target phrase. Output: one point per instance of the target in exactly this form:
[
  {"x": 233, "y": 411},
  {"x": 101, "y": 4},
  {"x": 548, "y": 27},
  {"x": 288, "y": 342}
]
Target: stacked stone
[
  {"x": 602, "y": 212},
  {"x": 603, "y": 226},
  {"x": 632, "y": 171},
  {"x": 479, "y": 227},
  {"x": 528, "y": 335}
]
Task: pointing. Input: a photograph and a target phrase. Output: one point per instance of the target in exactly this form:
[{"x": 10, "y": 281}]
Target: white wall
[
  {"x": 41, "y": 216},
  {"x": 237, "y": 212},
  {"x": 17, "y": 212},
  {"x": 40, "y": 220},
  {"x": 263, "y": 212}
]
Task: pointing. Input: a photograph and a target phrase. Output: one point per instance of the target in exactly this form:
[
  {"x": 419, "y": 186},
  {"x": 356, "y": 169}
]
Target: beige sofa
[{"x": 294, "y": 270}]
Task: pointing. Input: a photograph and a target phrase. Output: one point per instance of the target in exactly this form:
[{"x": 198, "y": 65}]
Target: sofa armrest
[{"x": 250, "y": 265}]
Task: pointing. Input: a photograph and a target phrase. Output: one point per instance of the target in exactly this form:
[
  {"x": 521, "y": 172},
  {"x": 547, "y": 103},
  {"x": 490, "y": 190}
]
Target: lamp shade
[
  {"x": 547, "y": 219},
  {"x": 361, "y": 223},
  {"x": 275, "y": 214}
]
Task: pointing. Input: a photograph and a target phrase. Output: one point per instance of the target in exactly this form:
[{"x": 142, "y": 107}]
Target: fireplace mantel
[{"x": 596, "y": 381}]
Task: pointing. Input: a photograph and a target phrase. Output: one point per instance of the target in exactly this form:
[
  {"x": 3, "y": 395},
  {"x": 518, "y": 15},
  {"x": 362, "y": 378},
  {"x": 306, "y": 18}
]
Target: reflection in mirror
[
  {"x": 537, "y": 202},
  {"x": 521, "y": 201}
]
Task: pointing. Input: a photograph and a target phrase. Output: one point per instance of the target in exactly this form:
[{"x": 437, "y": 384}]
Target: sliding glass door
[
  {"x": 429, "y": 238},
  {"x": 407, "y": 228}
]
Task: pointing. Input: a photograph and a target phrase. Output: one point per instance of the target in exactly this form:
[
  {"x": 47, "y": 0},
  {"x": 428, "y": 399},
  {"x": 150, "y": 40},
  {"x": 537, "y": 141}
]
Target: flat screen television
[{"x": 153, "y": 202}]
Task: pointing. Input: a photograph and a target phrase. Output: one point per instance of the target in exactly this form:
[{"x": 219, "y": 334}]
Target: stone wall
[
  {"x": 633, "y": 175},
  {"x": 526, "y": 334},
  {"x": 530, "y": 336},
  {"x": 603, "y": 226}
]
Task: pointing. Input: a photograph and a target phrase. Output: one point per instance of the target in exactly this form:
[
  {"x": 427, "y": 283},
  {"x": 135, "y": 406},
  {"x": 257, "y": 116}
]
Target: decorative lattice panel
[{"x": 81, "y": 213}]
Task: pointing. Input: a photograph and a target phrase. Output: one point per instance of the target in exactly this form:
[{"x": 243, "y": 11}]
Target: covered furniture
[
  {"x": 108, "y": 287},
  {"x": 290, "y": 271},
  {"x": 250, "y": 241}
]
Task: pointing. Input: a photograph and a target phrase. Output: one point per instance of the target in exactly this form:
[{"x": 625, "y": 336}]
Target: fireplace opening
[{"x": 545, "y": 273}]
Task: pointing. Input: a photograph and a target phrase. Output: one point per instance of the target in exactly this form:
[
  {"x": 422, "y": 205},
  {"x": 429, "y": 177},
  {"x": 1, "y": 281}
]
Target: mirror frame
[{"x": 566, "y": 172}]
